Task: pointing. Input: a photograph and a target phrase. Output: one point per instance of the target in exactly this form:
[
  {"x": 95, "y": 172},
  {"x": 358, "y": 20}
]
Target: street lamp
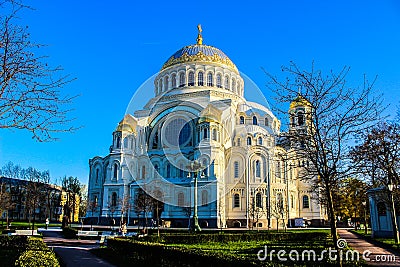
[
  {"x": 394, "y": 219},
  {"x": 195, "y": 167},
  {"x": 364, "y": 203}
]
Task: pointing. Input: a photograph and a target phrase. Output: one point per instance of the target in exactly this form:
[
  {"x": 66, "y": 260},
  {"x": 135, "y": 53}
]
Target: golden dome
[
  {"x": 127, "y": 124},
  {"x": 299, "y": 101},
  {"x": 200, "y": 53}
]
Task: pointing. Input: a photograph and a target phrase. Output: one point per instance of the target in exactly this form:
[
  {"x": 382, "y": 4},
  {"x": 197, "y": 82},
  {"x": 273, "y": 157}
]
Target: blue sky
[{"x": 112, "y": 47}]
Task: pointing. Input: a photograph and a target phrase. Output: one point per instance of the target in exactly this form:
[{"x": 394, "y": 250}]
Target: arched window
[
  {"x": 118, "y": 145},
  {"x": 181, "y": 172},
  {"x": 226, "y": 82},
  {"x": 258, "y": 200},
  {"x": 255, "y": 122},
  {"x": 238, "y": 88},
  {"x": 292, "y": 201},
  {"x": 205, "y": 133},
  {"x": 300, "y": 118},
  {"x": 168, "y": 170},
  {"x": 114, "y": 199},
  {"x": 266, "y": 121},
  {"x": 155, "y": 140},
  {"x": 241, "y": 120},
  {"x": 306, "y": 202},
  {"x": 214, "y": 134},
  {"x": 95, "y": 200},
  {"x": 200, "y": 79},
  {"x": 97, "y": 176},
  {"x": 233, "y": 84},
  {"x": 156, "y": 170},
  {"x": 173, "y": 82},
  {"x": 260, "y": 141},
  {"x": 181, "y": 199},
  {"x": 236, "y": 201},
  {"x": 115, "y": 174},
  {"x": 258, "y": 168},
  {"x": 219, "y": 81},
  {"x": 143, "y": 172},
  {"x": 249, "y": 141},
  {"x": 236, "y": 169},
  {"x": 181, "y": 79},
  {"x": 166, "y": 82},
  {"x": 191, "y": 78},
  {"x": 238, "y": 142},
  {"x": 278, "y": 170},
  {"x": 209, "y": 79},
  {"x": 279, "y": 202},
  {"x": 160, "y": 85},
  {"x": 204, "y": 198}
]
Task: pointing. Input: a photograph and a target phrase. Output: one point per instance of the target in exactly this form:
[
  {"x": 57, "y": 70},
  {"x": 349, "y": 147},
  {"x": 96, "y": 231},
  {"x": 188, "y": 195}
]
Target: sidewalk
[
  {"x": 73, "y": 252},
  {"x": 378, "y": 257}
]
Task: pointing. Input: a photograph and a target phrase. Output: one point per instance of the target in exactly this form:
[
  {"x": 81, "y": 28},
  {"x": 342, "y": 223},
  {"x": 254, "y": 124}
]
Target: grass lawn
[{"x": 26, "y": 225}]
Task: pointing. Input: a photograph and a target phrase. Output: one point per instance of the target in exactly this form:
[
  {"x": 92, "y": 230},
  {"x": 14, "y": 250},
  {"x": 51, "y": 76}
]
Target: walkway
[
  {"x": 378, "y": 257},
  {"x": 73, "y": 252}
]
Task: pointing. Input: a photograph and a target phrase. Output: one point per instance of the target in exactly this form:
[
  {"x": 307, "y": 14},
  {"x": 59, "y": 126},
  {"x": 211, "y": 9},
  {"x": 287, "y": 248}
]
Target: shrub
[
  {"x": 37, "y": 258},
  {"x": 69, "y": 232}
]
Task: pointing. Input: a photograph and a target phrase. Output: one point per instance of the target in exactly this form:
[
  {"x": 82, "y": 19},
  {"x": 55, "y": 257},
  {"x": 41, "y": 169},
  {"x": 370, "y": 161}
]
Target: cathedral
[{"x": 199, "y": 152}]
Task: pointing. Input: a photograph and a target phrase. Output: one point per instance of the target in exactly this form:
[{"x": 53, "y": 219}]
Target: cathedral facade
[{"x": 198, "y": 146}]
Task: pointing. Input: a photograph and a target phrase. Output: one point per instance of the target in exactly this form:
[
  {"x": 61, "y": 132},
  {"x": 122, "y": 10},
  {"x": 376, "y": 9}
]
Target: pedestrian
[
  {"x": 124, "y": 229},
  {"x": 47, "y": 223}
]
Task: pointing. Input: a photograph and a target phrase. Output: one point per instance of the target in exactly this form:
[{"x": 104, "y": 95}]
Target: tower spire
[{"x": 199, "y": 36}]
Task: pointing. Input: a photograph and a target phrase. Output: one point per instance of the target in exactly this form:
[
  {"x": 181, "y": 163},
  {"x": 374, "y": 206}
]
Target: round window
[{"x": 178, "y": 132}]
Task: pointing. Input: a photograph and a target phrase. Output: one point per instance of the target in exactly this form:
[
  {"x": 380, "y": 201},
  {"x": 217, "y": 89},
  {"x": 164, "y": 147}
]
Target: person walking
[{"x": 47, "y": 223}]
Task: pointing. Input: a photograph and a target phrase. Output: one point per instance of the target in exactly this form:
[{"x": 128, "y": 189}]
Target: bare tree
[
  {"x": 255, "y": 214},
  {"x": 278, "y": 211},
  {"x": 378, "y": 156},
  {"x": 6, "y": 202},
  {"x": 333, "y": 115},
  {"x": 143, "y": 204},
  {"x": 30, "y": 96}
]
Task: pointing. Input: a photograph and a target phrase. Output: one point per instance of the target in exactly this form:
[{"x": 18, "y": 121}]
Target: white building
[{"x": 199, "y": 112}]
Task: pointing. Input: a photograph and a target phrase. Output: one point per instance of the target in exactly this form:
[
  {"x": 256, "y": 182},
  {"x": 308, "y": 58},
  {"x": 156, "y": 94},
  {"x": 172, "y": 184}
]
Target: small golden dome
[
  {"x": 299, "y": 101},
  {"x": 127, "y": 124}
]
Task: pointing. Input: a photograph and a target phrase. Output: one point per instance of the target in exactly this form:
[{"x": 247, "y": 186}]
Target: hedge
[
  {"x": 156, "y": 254},
  {"x": 25, "y": 251},
  {"x": 236, "y": 237},
  {"x": 69, "y": 232}
]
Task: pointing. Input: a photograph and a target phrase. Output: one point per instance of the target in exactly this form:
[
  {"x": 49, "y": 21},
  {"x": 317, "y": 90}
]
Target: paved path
[
  {"x": 378, "y": 257},
  {"x": 74, "y": 253}
]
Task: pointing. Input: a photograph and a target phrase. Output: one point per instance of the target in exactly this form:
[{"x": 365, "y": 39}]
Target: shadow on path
[
  {"x": 377, "y": 257},
  {"x": 73, "y": 252}
]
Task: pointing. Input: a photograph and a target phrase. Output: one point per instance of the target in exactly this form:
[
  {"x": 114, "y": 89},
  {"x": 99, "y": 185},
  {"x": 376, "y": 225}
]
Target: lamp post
[
  {"x": 195, "y": 167},
  {"x": 394, "y": 219},
  {"x": 364, "y": 203}
]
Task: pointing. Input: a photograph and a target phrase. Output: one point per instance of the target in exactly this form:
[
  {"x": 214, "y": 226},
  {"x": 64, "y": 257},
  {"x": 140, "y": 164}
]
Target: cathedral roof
[{"x": 200, "y": 53}]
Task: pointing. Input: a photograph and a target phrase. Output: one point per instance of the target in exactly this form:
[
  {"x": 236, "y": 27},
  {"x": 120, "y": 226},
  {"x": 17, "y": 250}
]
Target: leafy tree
[
  {"x": 30, "y": 96},
  {"x": 74, "y": 188},
  {"x": 334, "y": 114}
]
